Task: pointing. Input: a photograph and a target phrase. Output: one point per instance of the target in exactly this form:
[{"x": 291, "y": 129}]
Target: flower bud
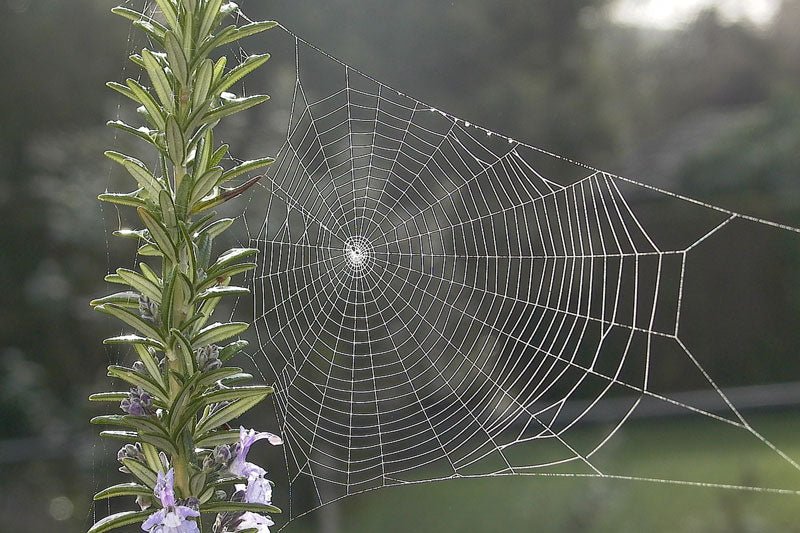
[
  {"x": 131, "y": 451},
  {"x": 148, "y": 308},
  {"x": 138, "y": 403},
  {"x": 207, "y": 358}
]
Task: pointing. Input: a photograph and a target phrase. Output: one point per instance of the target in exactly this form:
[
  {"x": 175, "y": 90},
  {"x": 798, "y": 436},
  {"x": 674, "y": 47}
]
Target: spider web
[
  {"x": 435, "y": 300},
  {"x": 439, "y": 301}
]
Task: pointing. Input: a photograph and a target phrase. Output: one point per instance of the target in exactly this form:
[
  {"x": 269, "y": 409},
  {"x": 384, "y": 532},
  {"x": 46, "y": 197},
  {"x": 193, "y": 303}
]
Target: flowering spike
[{"x": 175, "y": 412}]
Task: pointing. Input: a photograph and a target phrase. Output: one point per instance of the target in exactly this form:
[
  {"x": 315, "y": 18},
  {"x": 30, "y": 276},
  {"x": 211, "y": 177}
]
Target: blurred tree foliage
[{"x": 711, "y": 109}]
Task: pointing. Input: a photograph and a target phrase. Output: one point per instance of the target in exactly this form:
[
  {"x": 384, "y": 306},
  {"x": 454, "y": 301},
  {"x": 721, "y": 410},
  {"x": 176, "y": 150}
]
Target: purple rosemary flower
[
  {"x": 240, "y": 467},
  {"x": 172, "y": 518},
  {"x": 255, "y": 521},
  {"x": 138, "y": 403}
]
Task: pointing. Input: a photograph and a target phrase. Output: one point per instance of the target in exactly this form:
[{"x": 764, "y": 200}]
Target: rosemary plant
[{"x": 184, "y": 459}]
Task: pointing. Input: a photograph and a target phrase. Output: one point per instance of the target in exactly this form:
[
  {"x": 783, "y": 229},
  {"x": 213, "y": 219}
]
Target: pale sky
[{"x": 673, "y": 13}]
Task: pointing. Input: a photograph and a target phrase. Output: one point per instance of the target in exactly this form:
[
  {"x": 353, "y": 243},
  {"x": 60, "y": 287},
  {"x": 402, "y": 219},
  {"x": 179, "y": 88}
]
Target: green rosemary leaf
[
  {"x": 123, "y": 489},
  {"x": 233, "y": 106},
  {"x": 109, "y": 420},
  {"x": 226, "y": 414},
  {"x": 150, "y": 274},
  {"x": 159, "y": 442},
  {"x": 149, "y": 250},
  {"x": 240, "y": 71},
  {"x": 225, "y": 507},
  {"x": 216, "y": 228},
  {"x": 232, "y": 349},
  {"x": 137, "y": 380},
  {"x": 198, "y": 482},
  {"x": 230, "y": 257},
  {"x": 176, "y": 144},
  {"x": 141, "y": 284},
  {"x": 137, "y": 18},
  {"x": 159, "y": 234},
  {"x": 238, "y": 393},
  {"x": 245, "y": 31},
  {"x": 142, "y": 472},
  {"x": 185, "y": 347},
  {"x": 176, "y": 58},
  {"x": 160, "y": 81},
  {"x": 145, "y": 134},
  {"x": 205, "y": 185},
  {"x": 209, "y": 378},
  {"x": 143, "y": 97},
  {"x": 123, "y": 299},
  {"x": 118, "y": 520},
  {"x": 224, "y": 274},
  {"x": 202, "y": 84},
  {"x": 215, "y": 292},
  {"x": 150, "y": 364},
  {"x": 246, "y": 166},
  {"x": 170, "y": 15},
  {"x": 130, "y": 199},
  {"x": 135, "y": 340},
  {"x": 124, "y": 90},
  {"x": 131, "y": 319},
  {"x": 210, "y": 14},
  {"x": 217, "y": 438},
  {"x": 218, "y": 155},
  {"x": 212, "y": 41},
  {"x": 146, "y": 424},
  {"x": 111, "y": 397},
  {"x": 218, "y": 332},
  {"x": 225, "y": 195},
  {"x": 151, "y": 457}
]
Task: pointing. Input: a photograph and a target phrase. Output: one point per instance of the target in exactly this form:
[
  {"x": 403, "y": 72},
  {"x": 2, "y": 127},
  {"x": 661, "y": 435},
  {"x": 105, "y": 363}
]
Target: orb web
[{"x": 435, "y": 300}]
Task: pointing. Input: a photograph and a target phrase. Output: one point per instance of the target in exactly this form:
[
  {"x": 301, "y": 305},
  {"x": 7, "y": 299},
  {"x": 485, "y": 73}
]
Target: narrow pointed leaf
[
  {"x": 159, "y": 79},
  {"x": 175, "y": 141},
  {"x": 150, "y": 364},
  {"x": 202, "y": 84},
  {"x": 122, "y": 299},
  {"x": 170, "y": 15},
  {"x": 226, "y": 414},
  {"x": 232, "y": 349},
  {"x": 238, "y": 393},
  {"x": 159, "y": 234},
  {"x": 135, "y": 340},
  {"x": 224, "y": 274},
  {"x": 130, "y": 199},
  {"x": 217, "y": 438},
  {"x": 218, "y": 332},
  {"x": 176, "y": 58},
  {"x": 240, "y": 71},
  {"x": 226, "y": 507},
  {"x": 205, "y": 184},
  {"x": 231, "y": 107},
  {"x": 123, "y": 489},
  {"x": 131, "y": 319},
  {"x": 246, "y": 31},
  {"x": 215, "y": 292},
  {"x": 210, "y": 14},
  {"x": 119, "y": 520},
  {"x": 142, "y": 96},
  {"x": 140, "y": 471},
  {"x": 141, "y": 284},
  {"x": 245, "y": 167},
  {"x": 137, "y": 380}
]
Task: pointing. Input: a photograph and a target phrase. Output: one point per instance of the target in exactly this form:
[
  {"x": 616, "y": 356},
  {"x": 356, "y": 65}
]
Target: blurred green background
[{"x": 701, "y": 98}]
